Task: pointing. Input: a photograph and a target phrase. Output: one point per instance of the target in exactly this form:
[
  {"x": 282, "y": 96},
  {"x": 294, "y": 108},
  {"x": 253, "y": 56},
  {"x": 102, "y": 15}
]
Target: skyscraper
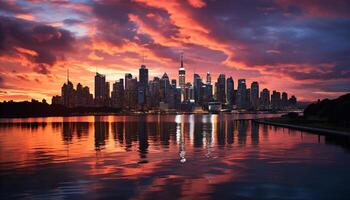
[
  {"x": 188, "y": 92},
  {"x": 247, "y": 99},
  {"x": 241, "y": 94},
  {"x": 143, "y": 75},
  {"x": 68, "y": 92},
  {"x": 182, "y": 73},
  {"x": 131, "y": 92},
  {"x": 275, "y": 100},
  {"x": 101, "y": 87},
  {"x": 173, "y": 83},
  {"x": 154, "y": 93},
  {"x": 118, "y": 94},
  {"x": 197, "y": 87},
  {"x": 164, "y": 87},
  {"x": 142, "y": 86},
  {"x": 292, "y": 101},
  {"x": 265, "y": 99},
  {"x": 230, "y": 91},
  {"x": 221, "y": 89},
  {"x": 107, "y": 91},
  {"x": 208, "y": 78},
  {"x": 127, "y": 76},
  {"x": 254, "y": 95},
  {"x": 83, "y": 96},
  {"x": 284, "y": 100}
]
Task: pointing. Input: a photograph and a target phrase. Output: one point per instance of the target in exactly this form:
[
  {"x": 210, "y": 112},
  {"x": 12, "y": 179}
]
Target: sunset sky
[{"x": 302, "y": 47}]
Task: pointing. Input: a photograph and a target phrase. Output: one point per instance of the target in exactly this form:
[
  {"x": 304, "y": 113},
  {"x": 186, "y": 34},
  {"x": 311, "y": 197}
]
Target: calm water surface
[{"x": 168, "y": 157}]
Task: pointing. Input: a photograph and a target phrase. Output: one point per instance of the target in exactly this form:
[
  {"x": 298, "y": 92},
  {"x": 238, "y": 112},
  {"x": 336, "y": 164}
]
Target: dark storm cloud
[
  {"x": 333, "y": 86},
  {"x": 115, "y": 25},
  {"x": 46, "y": 44},
  {"x": 72, "y": 21},
  {"x": 338, "y": 8},
  {"x": 11, "y": 7},
  {"x": 268, "y": 33}
]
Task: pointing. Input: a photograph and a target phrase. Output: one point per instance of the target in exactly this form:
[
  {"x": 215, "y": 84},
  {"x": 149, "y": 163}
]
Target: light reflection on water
[{"x": 168, "y": 156}]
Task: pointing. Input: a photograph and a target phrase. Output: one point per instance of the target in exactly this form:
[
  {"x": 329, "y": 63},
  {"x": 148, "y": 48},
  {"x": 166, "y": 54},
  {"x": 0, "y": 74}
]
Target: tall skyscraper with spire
[{"x": 182, "y": 73}]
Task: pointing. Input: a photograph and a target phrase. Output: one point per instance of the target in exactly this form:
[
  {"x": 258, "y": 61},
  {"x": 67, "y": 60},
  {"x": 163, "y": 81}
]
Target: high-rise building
[
  {"x": 197, "y": 87},
  {"x": 188, "y": 92},
  {"x": 292, "y": 101},
  {"x": 173, "y": 83},
  {"x": 241, "y": 94},
  {"x": 182, "y": 74},
  {"x": 265, "y": 99},
  {"x": 100, "y": 86},
  {"x": 118, "y": 94},
  {"x": 83, "y": 96},
  {"x": 68, "y": 94},
  {"x": 276, "y": 100},
  {"x": 142, "y": 86},
  {"x": 131, "y": 93},
  {"x": 101, "y": 90},
  {"x": 221, "y": 89},
  {"x": 154, "y": 93},
  {"x": 207, "y": 93},
  {"x": 230, "y": 91},
  {"x": 254, "y": 95},
  {"x": 173, "y": 97},
  {"x": 108, "y": 90},
  {"x": 143, "y": 75},
  {"x": 247, "y": 99},
  {"x": 284, "y": 100},
  {"x": 164, "y": 87},
  {"x": 208, "y": 78},
  {"x": 127, "y": 77}
]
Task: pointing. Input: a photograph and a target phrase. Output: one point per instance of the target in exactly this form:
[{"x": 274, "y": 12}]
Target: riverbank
[{"x": 307, "y": 125}]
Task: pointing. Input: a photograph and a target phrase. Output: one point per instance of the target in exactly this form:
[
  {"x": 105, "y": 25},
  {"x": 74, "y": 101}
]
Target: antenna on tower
[
  {"x": 182, "y": 59},
  {"x": 67, "y": 74},
  {"x": 143, "y": 57}
]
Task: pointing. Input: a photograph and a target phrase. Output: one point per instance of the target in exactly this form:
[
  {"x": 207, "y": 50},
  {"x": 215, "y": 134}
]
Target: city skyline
[
  {"x": 167, "y": 93},
  {"x": 297, "y": 46}
]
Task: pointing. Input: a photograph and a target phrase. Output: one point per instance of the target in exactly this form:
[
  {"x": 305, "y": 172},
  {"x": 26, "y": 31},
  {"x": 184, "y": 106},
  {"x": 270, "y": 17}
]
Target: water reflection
[{"x": 190, "y": 156}]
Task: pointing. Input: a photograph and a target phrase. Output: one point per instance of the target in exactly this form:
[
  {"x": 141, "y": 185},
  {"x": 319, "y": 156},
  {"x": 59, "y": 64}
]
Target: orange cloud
[
  {"x": 197, "y": 3},
  {"x": 26, "y": 51},
  {"x": 28, "y": 17}
]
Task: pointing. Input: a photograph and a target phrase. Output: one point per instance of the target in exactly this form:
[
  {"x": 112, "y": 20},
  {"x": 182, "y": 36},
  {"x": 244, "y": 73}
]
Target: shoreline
[
  {"x": 141, "y": 113},
  {"x": 322, "y": 131}
]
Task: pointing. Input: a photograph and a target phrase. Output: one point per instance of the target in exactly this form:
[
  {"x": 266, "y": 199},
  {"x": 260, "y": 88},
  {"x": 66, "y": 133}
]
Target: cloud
[
  {"x": 197, "y": 3},
  {"x": 263, "y": 37},
  {"x": 40, "y": 45},
  {"x": 302, "y": 42},
  {"x": 12, "y": 7},
  {"x": 320, "y": 8}
]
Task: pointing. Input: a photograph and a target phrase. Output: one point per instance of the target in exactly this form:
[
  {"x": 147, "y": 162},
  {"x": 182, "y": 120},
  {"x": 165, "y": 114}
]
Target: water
[{"x": 168, "y": 157}]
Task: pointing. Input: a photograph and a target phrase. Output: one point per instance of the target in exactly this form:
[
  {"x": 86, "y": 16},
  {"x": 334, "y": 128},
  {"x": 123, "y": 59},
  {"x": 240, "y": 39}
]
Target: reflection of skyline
[
  {"x": 214, "y": 149},
  {"x": 198, "y": 131},
  {"x": 242, "y": 126},
  {"x": 142, "y": 132},
  {"x": 142, "y": 136},
  {"x": 101, "y": 134}
]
